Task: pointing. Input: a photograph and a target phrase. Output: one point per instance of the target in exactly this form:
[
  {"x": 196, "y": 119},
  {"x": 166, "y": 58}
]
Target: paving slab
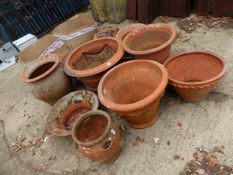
[{"x": 165, "y": 148}]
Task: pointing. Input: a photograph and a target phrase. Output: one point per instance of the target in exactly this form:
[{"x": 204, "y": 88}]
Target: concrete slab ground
[{"x": 163, "y": 149}]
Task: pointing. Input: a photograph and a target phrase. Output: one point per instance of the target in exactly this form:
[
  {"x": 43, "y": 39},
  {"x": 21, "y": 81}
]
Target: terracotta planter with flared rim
[
  {"x": 124, "y": 31},
  {"x": 151, "y": 42},
  {"x": 69, "y": 108},
  {"x": 46, "y": 79},
  {"x": 91, "y": 76},
  {"x": 107, "y": 32},
  {"x": 98, "y": 136},
  {"x": 133, "y": 89},
  {"x": 194, "y": 74}
]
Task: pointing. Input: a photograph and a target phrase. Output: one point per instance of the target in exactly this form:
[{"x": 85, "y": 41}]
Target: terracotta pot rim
[
  {"x": 84, "y": 117},
  {"x": 94, "y": 106},
  {"x": 198, "y": 84},
  {"x": 76, "y": 93},
  {"x": 126, "y": 29},
  {"x": 89, "y": 72},
  {"x": 64, "y": 118},
  {"x": 150, "y": 26},
  {"x": 52, "y": 58},
  {"x": 158, "y": 92}
]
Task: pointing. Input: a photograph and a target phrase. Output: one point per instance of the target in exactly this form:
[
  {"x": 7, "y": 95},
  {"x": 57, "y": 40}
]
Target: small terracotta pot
[
  {"x": 69, "y": 108},
  {"x": 107, "y": 32},
  {"x": 151, "y": 42},
  {"x": 194, "y": 74},
  {"x": 124, "y": 31},
  {"x": 98, "y": 136},
  {"x": 133, "y": 89},
  {"x": 46, "y": 79},
  {"x": 89, "y": 61}
]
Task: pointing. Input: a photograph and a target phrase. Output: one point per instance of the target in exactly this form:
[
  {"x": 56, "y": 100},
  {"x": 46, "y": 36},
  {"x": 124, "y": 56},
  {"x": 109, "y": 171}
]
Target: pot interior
[
  {"x": 93, "y": 57},
  {"x": 41, "y": 70},
  {"x": 194, "y": 67},
  {"x": 132, "y": 82},
  {"x": 149, "y": 39},
  {"x": 91, "y": 128},
  {"x": 72, "y": 113}
]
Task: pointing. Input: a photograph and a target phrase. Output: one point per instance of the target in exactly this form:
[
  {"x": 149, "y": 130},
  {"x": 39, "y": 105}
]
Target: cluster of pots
[{"x": 132, "y": 89}]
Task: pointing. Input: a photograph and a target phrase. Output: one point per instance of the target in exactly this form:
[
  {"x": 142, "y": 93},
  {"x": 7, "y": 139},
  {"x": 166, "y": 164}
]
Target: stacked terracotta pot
[{"x": 132, "y": 89}]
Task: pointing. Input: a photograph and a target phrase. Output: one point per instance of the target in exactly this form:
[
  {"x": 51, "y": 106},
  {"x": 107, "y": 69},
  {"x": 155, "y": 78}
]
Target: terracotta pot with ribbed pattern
[{"x": 194, "y": 74}]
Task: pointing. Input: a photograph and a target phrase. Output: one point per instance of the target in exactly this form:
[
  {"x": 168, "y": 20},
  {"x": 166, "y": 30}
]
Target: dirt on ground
[
  {"x": 191, "y": 24},
  {"x": 206, "y": 163},
  {"x": 138, "y": 140},
  {"x": 194, "y": 22}
]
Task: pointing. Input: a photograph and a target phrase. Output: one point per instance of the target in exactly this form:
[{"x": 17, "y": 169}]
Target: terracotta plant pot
[
  {"x": 107, "y": 32},
  {"x": 90, "y": 61},
  {"x": 124, "y": 31},
  {"x": 98, "y": 136},
  {"x": 133, "y": 89},
  {"x": 69, "y": 108},
  {"x": 194, "y": 74},
  {"x": 46, "y": 79},
  {"x": 151, "y": 42}
]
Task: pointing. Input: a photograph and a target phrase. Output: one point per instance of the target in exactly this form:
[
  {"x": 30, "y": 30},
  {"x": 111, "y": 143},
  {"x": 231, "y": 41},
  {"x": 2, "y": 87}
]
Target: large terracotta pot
[
  {"x": 98, "y": 136},
  {"x": 91, "y": 60},
  {"x": 194, "y": 74},
  {"x": 46, "y": 79},
  {"x": 69, "y": 108},
  {"x": 124, "y": 31},
  {"x": 133, "y": 89},
  {"x": 151, "y": 42}
]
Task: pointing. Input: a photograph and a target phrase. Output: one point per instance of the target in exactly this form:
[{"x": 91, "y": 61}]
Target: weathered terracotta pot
[
  {"x": 124, "y": 31},
  {"x": 151, "y": 42},
  {"x": 89, "y": 61},
  {"x": 98, "y": 136},
  {"x": 69, "y": 108},
  {"x": 107, "y": 32},
  {"x": 133, "y": 89},
  {"x": 69, "y": 116},
  {"x": 194, "y": 74},
  {"x": 46, "y": 79}
]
